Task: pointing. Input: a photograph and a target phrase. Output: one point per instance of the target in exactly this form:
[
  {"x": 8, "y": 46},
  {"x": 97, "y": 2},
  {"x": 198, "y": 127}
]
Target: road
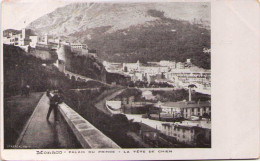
[
  {"x": 101, "y": 105},
  {"x": 85, "y": 89}
]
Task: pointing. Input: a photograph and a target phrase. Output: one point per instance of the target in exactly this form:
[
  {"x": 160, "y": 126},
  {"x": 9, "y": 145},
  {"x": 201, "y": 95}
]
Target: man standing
[{"x": 55, "y": 100}]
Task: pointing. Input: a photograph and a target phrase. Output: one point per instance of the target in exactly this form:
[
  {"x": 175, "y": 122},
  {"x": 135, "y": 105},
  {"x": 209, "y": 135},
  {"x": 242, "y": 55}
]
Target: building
[
  {"x": 113, "y": 67},
  {"x": 137, "y": 76},
  {"x": 166, "y": 63},
  {"x": 180, "y": 65},
  {"x": 78, "y": 46},
  {"x": 23, "y": 39},
  {"x": 185, "y": 109},
  {"x": 131, "y": 67},
  {"x": 18, "y": 39},
  {"x": 44, "y": 40},
  {"x": 34, "y": 41},
  {"x": 183, "y": 77},
  {"x": 190, "y": 133},
  {"x": 177, "y": 74}
]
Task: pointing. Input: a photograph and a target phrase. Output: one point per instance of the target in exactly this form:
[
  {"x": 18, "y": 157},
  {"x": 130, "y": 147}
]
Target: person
[
  {"x": 55, "y": 100},
  {"x": 27, "y": 90}
]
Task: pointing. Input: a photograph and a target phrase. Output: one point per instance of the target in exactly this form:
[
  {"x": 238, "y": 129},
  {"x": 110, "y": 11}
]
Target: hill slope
[{"x": 134, "y": 31}]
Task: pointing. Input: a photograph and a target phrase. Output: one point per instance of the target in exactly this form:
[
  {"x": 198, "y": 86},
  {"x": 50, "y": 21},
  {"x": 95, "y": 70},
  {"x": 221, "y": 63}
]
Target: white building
[
  {"x": 185, "y": 109},
  {"x": 170, "y": 64},
  {"x": 180, "y": 65},
  {"x": 183, "y": 77},
  {"x": 131, "y": 67},
  {"x": 78, "y": 46},
  {"x": 20, "y": 39},
  {"x": 34, "y": 41}
]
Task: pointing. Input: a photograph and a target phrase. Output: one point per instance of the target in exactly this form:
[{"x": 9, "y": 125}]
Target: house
[
  {"x": 190, "y": 133},
  {"x": 185, "y": 109}
]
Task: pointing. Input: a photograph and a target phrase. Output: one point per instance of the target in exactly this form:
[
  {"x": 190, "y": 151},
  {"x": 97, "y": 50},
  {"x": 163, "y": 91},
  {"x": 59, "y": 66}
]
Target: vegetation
[
  {"x": 115, "y": 126},
  {"x": 142, "y": 84},
  {"x": 164, "y": 39},
  {"x": 179, "y": 95},
  {"x": 21, "y": 68}
]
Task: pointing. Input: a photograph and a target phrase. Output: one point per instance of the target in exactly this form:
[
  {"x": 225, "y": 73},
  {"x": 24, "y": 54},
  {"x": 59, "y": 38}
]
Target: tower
[
  {"x": 138, "y": 65},
  {"x": 189, "y": 94},
  {"x": 61, "y": 65},
  {"x": 46, "y": 39},
  {"x": 23, "y": 33}
]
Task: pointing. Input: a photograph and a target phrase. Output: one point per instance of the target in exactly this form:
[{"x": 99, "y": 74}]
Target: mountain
[{"x": 134, "y": 31}]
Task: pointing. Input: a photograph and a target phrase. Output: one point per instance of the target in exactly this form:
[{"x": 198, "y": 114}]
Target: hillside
[
  {"x": 134, "y": 31},
  {"x": 21, "y": 68}
]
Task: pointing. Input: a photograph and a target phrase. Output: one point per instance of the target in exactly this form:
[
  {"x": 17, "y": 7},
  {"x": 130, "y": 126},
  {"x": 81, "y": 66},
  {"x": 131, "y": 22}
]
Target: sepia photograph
[{"x": 106, "y": 75}]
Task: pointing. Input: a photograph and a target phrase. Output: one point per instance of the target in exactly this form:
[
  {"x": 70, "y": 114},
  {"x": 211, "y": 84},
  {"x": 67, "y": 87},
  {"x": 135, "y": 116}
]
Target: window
[{"x": 192, "y": 110}]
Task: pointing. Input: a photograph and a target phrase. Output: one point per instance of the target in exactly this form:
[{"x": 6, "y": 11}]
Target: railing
[{"x": 87, "y": 134}]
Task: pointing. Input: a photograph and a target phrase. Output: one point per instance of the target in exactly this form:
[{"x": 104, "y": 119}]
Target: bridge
[
  {"x": 76, "y": 77},
  {"x": 81, "y": 78}
]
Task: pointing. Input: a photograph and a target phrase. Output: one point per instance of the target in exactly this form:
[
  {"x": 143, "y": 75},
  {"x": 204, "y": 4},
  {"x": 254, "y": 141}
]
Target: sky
[{"x": 17, "y": 14}]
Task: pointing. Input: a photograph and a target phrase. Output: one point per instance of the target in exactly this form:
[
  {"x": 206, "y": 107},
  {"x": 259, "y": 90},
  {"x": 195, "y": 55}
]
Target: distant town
[
  {"x": 175, "y": 74},
  {"x": 186, "y": 122}
]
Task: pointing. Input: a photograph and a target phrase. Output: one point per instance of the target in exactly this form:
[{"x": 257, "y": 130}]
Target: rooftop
[{"x": 184, "y": 104}]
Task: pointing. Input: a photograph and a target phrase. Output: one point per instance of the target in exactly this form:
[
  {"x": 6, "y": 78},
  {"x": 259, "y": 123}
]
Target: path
[
  {"x": 85, "y": 89},
  {"x": 101, "y": 105},
  {"x": 43, "y": 134}
]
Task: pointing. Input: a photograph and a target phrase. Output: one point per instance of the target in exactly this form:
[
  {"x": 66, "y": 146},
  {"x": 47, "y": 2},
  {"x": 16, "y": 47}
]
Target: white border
[{"x": 235, "y": 93}]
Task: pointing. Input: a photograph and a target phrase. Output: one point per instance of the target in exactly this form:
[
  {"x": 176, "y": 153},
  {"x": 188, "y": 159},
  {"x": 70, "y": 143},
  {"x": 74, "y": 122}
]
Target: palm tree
[{"x": 191, "y": 86}]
